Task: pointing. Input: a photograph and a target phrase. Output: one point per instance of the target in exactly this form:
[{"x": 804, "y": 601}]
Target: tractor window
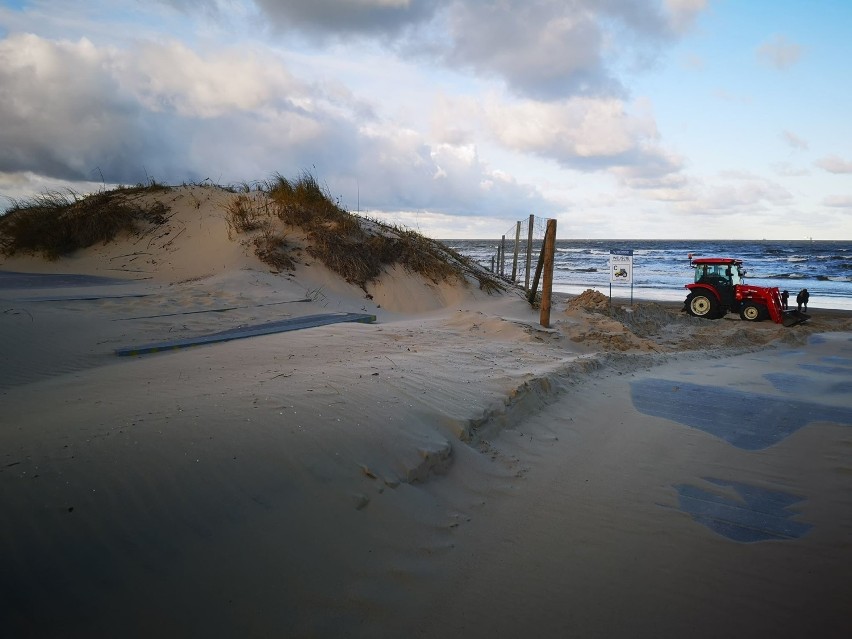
[
  {"x": 736, "y": 275},
  {"x": 716, "y": 274}
]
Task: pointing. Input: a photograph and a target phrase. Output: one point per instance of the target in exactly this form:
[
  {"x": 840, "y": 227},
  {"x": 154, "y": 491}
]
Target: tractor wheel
[
  {"x": 702, "y": 305},
  {"x": 753, "y": 312}
]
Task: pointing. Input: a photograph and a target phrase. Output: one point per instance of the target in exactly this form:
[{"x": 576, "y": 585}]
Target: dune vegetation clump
[
  {"x": 253, "y": 216},
  {"x": 356, "y": 248},
  {"x": 56, "y": 223}
]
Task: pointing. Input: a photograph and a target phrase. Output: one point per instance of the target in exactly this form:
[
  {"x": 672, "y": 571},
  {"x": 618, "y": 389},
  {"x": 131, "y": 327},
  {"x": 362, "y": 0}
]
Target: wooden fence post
[
  {"x": 503, "y": 256},
  {"x": 529, "y": 252},
  {"x": 548, "y": 251},
  {"x": 534, "y": 288}
]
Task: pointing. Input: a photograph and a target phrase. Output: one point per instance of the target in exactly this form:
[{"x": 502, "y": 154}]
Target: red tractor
[{"x": 719, "y": 289}]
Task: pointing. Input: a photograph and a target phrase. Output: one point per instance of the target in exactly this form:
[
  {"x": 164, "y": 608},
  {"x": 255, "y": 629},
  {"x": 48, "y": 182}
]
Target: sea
[{"x": 661, "y": 268}]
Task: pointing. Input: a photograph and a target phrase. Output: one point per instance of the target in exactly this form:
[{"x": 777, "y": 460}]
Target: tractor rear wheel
[
  {"x": 753, "y": 312},
  {"x": 700, "y": 304}
]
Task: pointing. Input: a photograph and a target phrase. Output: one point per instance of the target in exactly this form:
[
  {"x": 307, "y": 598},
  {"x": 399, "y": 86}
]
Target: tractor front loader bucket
[{"x": 793, "y": 318}]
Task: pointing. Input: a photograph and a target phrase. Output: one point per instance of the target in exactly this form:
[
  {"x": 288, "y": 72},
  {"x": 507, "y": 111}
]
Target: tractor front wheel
[
  {"x": 702, "y": 305},
  {"x": 752, "y": 312}
]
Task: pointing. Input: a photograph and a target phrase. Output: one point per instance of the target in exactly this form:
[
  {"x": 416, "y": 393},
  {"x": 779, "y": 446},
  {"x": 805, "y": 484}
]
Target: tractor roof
[{"x": 716, "y": 260}]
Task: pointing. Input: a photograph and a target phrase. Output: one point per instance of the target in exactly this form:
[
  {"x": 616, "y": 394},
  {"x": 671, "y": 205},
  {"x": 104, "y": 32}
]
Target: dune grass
[
  {"x": 57, "y": 223},
  {"x": 356, "y": 248}
]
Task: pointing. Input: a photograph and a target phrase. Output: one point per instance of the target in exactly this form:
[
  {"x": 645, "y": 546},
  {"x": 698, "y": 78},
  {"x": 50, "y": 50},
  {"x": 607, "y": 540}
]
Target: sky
[{"x": 669, "y": 119}]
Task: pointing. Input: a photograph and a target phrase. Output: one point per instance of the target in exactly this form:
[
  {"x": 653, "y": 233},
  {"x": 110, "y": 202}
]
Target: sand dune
[{"x": 453, "y": 469}]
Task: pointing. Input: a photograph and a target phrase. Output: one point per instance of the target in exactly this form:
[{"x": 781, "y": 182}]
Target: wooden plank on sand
[{"x": 291, "y": 324}]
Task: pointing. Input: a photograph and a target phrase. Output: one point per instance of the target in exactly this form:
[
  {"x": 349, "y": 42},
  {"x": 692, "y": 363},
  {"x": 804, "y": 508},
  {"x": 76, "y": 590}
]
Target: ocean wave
[{"x": 825, "y": 268}]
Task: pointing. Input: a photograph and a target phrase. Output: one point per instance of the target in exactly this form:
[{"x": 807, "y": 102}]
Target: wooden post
[
  {"x": 534, "y": 288},
  {"x": 503, "y": 256},
  {"x": 548, "y": 251},
  {"x": 517, "y": 246},
  {"x": 529, "y": 252}
]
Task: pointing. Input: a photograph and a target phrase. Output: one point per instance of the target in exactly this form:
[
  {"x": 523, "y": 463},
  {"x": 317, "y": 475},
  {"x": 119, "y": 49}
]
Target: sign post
[{"x": 621, "y": 270}]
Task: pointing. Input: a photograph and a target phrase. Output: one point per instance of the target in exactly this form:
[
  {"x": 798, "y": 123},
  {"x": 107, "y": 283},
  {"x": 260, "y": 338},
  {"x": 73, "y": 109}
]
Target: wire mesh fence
[{"x": 519, "y": 249}]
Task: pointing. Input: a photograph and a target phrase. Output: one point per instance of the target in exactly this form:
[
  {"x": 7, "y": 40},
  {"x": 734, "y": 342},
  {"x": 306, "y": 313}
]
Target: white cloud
[
  {"x": 585, "y": 134},
  {"x": 454, "y": 120},
  {"x": 751, "y": 194},
  {"x": 74, "y": 111},
  {"x": 22, "y": 185},
  {"x": 400, "y": 170},
  {"x": 656, "y": 177},
  {"x": 348, "y": 17},
  {"x": 60, "y": 114},
  {"x": 568, "y": 131},
  {"x": 834, "y": 164},
  {"x": 438, "y": 225},
  {"x": 172, "y": 77},
  {"x": 780, "y": 53},
  {"x": 538, "y": 50},
  {"x": 729, "y": 194},
  {"x": 547, "y": 49},
  {"x": 794, "y": 140},
  {"x": 838, "y": 201},
  {"x": 169, "y": 112},
  {"x": 683, "y": 13},
  {"x": 554, "y": 49},
  {"x": 785, "y": 169}
]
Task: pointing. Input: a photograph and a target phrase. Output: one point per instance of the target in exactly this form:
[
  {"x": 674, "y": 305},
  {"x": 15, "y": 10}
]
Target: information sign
[{"x": 621, "y": 266}]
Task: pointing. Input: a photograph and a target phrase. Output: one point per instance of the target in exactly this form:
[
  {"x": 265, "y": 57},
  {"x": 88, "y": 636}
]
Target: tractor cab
[
  {"x": 721, "y": 275},
  {"x": 728, "y": 273}
]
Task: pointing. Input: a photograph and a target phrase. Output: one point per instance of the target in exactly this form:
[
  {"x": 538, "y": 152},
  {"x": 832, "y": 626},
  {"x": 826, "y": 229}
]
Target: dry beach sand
[{"x": 453, "y": 469}]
